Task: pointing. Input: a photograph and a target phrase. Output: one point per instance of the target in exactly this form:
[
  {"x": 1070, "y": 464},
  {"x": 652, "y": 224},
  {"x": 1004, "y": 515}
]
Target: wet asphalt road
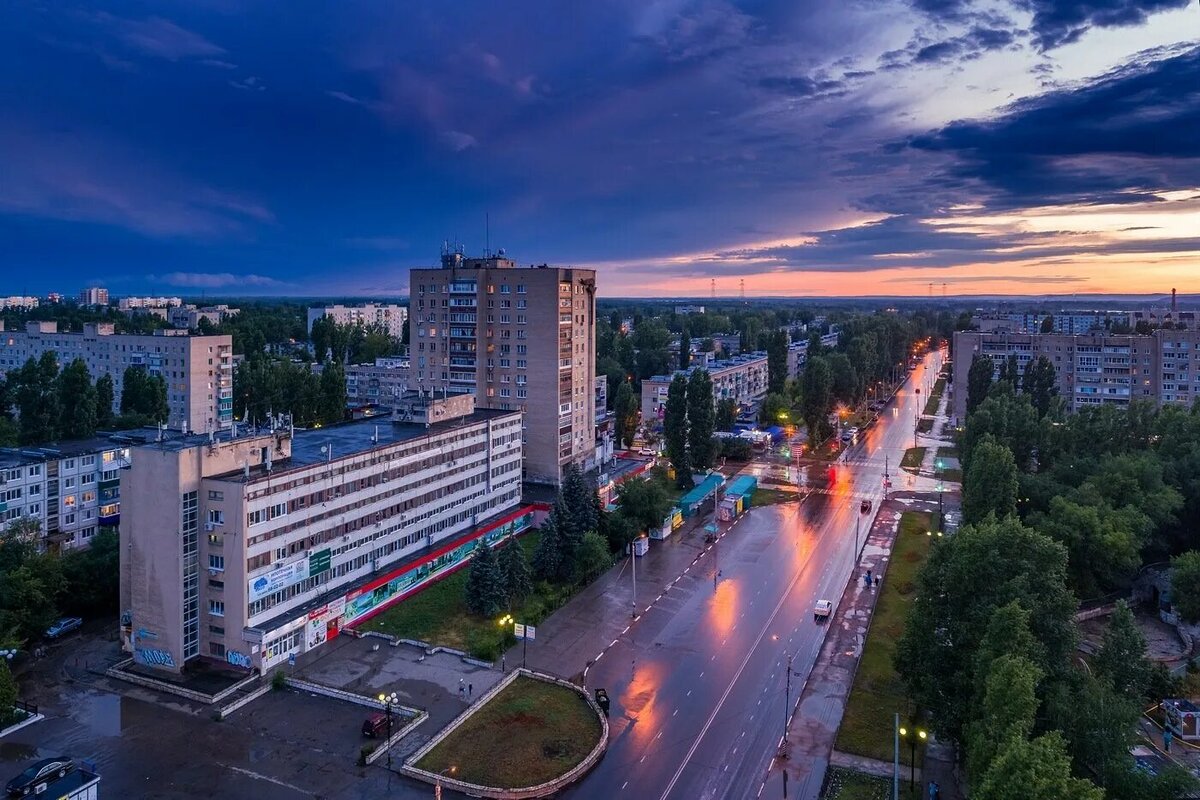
[{"x": 699, "y": 683}]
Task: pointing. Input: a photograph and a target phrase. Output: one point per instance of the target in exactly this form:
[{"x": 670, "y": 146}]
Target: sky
[{"x": 679, "y": 147}]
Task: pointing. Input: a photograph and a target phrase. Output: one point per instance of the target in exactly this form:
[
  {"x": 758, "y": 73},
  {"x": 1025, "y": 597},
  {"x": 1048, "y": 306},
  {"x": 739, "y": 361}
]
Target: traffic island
[{"x": 530, "y": 736}]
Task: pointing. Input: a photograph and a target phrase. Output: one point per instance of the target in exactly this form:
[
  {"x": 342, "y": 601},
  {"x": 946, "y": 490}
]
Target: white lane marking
[{"x": 623, "y": 785}]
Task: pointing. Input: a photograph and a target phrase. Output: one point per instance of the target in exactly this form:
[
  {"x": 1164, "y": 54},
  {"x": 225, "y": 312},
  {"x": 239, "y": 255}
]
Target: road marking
[
  {"x": 701, "y": 674},
  {"x": 676, "y": 711},
  {"x": 689, "y": 694},
  {"x": 623, "y": 785},
  {"x": 269, "y": 779}
]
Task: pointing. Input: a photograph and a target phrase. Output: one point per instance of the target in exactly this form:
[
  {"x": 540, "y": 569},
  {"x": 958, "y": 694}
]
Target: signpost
[{"x": 524, "y": 633}]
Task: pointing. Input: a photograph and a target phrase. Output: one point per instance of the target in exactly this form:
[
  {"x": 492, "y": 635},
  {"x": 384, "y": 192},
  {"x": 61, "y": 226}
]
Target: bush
[
  {"x": 279, "y": 680},
  {"x": 363, "y": 752},
  {"x": 736, "y": 449}
]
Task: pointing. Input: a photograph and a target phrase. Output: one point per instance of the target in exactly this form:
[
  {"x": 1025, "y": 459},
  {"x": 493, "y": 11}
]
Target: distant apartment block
[
  {"x": 1092, "y": 369},
  {"x": 93, "y": 296},
  {"x": 72, "y": 489},
  {"x": 189, "y": 316},
  {"x": 689, "y": 310},
  {"x": 17, "y": 301},
  {"x": 382, "y": 382},
  {"x": 518, "y": 338},
  {"x": 130, "y": 303},
  {"x": 198, "y": 370},
  {"x": 741, "y": 378},
  {"x": 248, "y": 547},
  {"x": 1071, "y": 323},
  {"x": 390, "y": 318},
  {"x": 797, "y": 356}
]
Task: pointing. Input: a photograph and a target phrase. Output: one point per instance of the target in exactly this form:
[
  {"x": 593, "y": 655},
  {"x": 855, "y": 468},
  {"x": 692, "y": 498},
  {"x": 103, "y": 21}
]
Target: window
[
  {"x": 213, "y": 494},
  {"x": 35, "y": 470},
  {"x": 216, "y": 516},
  {"x": 216, "y": 630},
  {"x": 216, "y": 562},
  {"x": 217, "y": 649},
  {"x": 68, "y": 483},
  {"x": 87, "y": 497},
  {"x": 216, "y": 608},
  {"x": 69, "y": 501},
  {"x": 87, "y": 478}
]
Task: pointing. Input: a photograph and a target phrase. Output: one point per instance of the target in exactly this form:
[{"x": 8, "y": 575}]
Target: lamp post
[
  {"x": 388, "y": 701},
  {"x": 504, "y": 622},
  {"x": 437, "y": 786},
  {"x": 912, "y": 735}
]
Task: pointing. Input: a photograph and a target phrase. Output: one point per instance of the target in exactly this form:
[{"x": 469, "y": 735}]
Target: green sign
[{"x": 319, "y": 562}]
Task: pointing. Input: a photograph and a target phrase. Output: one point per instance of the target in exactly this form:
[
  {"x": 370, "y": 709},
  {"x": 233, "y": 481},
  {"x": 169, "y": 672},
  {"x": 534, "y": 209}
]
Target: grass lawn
[
  {"x": 924, "y": 425},
  {"x": 769, "y": 497},
  {"x": 947, "y": 452},
  {"x": 438, "y": 613},
  {"x": 846, "y": 784},
  {"x": 878, "y": 693},
  {"x": 913, "y": 457},
  {"x": 935, "y": 397},
  {"x": 529, "y": 733}
]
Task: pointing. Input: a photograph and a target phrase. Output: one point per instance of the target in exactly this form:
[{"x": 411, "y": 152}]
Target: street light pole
[
  {"x": 896, "y": 760},
  {"x": 787, "y": 698},
  {"x": 633, "y": 563},
  {"x": 388, "y": 701}
]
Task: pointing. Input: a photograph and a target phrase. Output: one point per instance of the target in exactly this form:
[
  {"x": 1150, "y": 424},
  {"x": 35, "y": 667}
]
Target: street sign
[
  {"x": 530, "y": 632},
  {"x": 519, "y": 630},
  {"x": 291, "y": 659}
]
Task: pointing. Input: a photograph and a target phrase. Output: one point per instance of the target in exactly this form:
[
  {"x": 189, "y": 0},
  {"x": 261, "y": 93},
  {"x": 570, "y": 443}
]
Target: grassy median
[
  {"x": 529, "y": 733},
  {"x": 913, "y": 457},
  {"x": 846, "y": 784},
  {"x": 878, "y": 693}
]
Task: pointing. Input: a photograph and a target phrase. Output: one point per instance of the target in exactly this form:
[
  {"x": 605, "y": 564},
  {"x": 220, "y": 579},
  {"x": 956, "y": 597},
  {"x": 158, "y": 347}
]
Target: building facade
[
  {"x": 797, "y": 355},
  {"x": 72, "y": 490},
  {"x": 18, "y": 301},
  {"x": 198, "y": 370},
  {"x": 518, "y": 338},
  {"x": 1093, "y": 369},
  {"x": 382, "y": 382},
  {"x": 742, "y": 378},
  {"x": 189, "y": 316},
  {"x": 391, "y": 318},
  {"x": 130, "y": 303},
  {"x": 250, "y": 548},
  {"x": 93, "y": 296}
]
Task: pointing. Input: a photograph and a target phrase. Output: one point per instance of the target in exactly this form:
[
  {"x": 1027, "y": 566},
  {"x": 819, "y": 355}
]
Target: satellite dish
[{"x": 324, "y": 449}]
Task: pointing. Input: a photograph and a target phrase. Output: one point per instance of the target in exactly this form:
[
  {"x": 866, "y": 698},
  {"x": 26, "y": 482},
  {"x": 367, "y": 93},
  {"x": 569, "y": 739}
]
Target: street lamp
[
  {"x": 912, "y": 735},
  {"x": 388, "y": 701},
  {"x": 504, "y": 622},
  {"x": 437, "y": 787}
]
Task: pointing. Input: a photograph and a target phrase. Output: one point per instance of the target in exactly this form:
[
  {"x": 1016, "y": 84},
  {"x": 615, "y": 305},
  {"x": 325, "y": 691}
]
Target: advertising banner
[{"x": 277, "y": 579}]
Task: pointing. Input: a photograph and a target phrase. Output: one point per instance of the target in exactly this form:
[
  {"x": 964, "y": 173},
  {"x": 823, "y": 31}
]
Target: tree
[
  {"x": 1010, "y": 372},
  {"x": 514, "y": 572},
  {"x": 643, "y": 502},
  {"x": 331, "y": 397},
  {"x": 685, "y": 347},
  {"x": 1047, "y": 325},
  {"x": 1040, "y": 383},
  {"x": 777, "y": 351},
  {"x": 816, "y": 398},
  {"x": 1034, "y": 770},
  {"x": 620, "y": 531},
  {"x": 144, "y": 394},
  {"x": 1185, "y": 585},
  {"x": 625, "y": 412},
  {"x": 844, "y": 379},
  {"x": 105, "y": 394},
  {"x": 547, "y": 556},
  {"x": 675, "y": 430},
  {"x": 966, "y": 579},
  {"x": 485, "y": 585},
  {"x": 726, "y": 414},
  {"x": 991, "y": 483},
  {"x": 701, "y": 420},
  {"x": 592, "y": 557},
  {"x": 92, "y": 576},
  {"x": 775, "y": 409},
  {"x": 979, "y": 380},
  {"x": 1121, "y": 661},
  {"x": 8, "y": 694},
  {"x": 77, "y": 401},
  {"x": 322, "y": 337},
  {"x": 38, "y": 400},
  {"x": 1006, "y": 713},
  {"x": 578, "y": 499}
]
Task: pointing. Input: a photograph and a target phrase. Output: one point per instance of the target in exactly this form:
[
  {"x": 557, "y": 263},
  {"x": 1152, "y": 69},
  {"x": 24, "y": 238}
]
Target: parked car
[
  {"x": 63, "y": 627},
  {"x": 864, "y": 506},
  {"x": 822, "y": 609},
  {"x": 375, "y": 725},
  {"x": 39, "y": 772}
]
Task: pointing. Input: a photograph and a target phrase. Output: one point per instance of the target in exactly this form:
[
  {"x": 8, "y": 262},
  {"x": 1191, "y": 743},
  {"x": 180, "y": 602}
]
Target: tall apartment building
[
  {"x": 1093, "y": 369},
  {"x": 797, "y": 354},
  {"x": 518, "y": 338},
  {"x": 198, "y": 370},
  {"x": 392, "y": 318},
  {"x": 742, "y": 378},
  {"x": 93, "y": 296},
  {"x": 72, "y": 489},
  {"x": 383, "y": 382},
  {"x": 250, "y": 548},
  {"x": 18, "y": 301}
]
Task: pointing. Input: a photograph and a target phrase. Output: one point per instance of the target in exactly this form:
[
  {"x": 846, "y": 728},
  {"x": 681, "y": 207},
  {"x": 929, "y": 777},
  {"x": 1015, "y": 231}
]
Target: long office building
[
  {"x": 198, "y": 370},
  {"x": 389, "y": 317},
  {"x": 381, "y": 382},
  {"x": 518, "y": 338},
  {"x": 1092, "y": 369},
  {"x": 250, "y": 546},
  {"x": 741, "y": 378}
]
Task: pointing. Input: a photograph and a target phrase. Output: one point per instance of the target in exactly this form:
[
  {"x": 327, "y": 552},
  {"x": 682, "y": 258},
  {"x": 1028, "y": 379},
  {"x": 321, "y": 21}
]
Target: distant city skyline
[{"x": 827, "y": 148}]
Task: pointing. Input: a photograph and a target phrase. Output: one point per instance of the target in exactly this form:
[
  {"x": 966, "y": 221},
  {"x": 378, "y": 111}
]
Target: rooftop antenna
[{"x": 487, "y": 235}]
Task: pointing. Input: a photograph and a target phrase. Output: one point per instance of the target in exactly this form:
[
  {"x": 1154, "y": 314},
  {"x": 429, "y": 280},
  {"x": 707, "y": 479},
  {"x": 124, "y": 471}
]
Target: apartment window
[
  {"x": 88, "y": 461},
  {"x": 216, "y": 562},
  {"x": 68, "y": 483},
  {"x": 216, "y": 608},
  {"x": 216, "y": 517},
  {"x": 217, "y": 649},
  {"x": 215, "y": 495},
  {"x": 69, "y": 501},
  {"x": 216, "y": 630},
  {"x": 87, "y": 497},
  {"x": 35, "y": 471}
]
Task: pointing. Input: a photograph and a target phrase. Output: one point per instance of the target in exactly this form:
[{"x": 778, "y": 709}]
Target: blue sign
[{"x": 291, "y": 659}]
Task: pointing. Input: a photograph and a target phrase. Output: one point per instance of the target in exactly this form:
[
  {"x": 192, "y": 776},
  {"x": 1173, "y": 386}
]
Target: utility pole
[
  {"x": 633, "y": 562},
  {"x": 787, "y": 699},
  {"x": 857, "y": 521},
  {"x": 896, "y": 760}
]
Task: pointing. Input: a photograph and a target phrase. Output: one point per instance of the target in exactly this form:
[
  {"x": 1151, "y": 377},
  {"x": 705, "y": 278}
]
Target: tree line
[
  {"x": 1055, "y": 507},
  {"x": 40, "y": 404}
]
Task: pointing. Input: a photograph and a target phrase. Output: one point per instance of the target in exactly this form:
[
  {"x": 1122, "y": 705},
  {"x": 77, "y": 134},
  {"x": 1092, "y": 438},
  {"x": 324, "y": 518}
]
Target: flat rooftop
[{"x": 39, "y": 454}]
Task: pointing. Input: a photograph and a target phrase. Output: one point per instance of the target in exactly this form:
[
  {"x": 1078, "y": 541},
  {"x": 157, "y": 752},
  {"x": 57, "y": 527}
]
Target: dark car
[
  {"x": 375, "y": 726},
  {"x": 63, "y": 627},
  {"x": 40, "y": 772},
  {"x": 864, "y": 506}
]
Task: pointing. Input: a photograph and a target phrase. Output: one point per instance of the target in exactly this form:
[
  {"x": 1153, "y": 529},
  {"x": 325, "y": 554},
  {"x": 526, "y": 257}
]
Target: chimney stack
[{"x": 1173, "y": 307}]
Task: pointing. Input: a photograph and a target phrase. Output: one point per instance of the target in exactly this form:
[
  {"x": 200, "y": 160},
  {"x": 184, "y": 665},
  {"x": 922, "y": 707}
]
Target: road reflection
[{"x": 640, "y": 700}]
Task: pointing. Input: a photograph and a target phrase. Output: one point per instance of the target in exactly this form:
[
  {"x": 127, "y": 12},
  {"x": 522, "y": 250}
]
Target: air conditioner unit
[{"x": 210, "y": 526}]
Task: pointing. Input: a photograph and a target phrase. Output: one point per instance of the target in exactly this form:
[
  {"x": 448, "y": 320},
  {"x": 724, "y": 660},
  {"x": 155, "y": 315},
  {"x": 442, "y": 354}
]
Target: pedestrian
[
  {"x": 503, "y": 663},
  {"x": 932, "y": 790},
  {"x": 878, "y": 580},
  {"x": 937, "y": 791},
  {"x": 470, "y": 690}
]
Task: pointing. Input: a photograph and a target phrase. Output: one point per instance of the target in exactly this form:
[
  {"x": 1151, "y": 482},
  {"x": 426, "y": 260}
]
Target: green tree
[
  {"x": 685, "y": 347},
  {"x": 625, "y": 412},
  {"x": 485, "y": 585},
  {"x": 979, "y": 381},
  {"x": 620, "y": 531},
  {"x": 1122, "y": 658},
  {"x": 967, "y": 577},
  {"x": 331, "y": 394},
  {"x": 38, "y": 400},
  {"x": 1185, "y": 585},
  {"x": 144, "y": 394},
  {"x": 322, "y": 338},
  {"x": 1047, "y": 324},
  {"x": 1010, "y": 372},
  {"x": 8, "y": 694},
  {"x": 777, "y": 350},
  {"x": 816, "y": 395},
  {"x": 643, "y": 502},
  {"x": 1103, "y": 545},
  {"x": 593, "y": 557},
  {"x": 28, "y": 595},
  {"x": 105, "y": 394},
  {"x": 675, "y": 430},
  {"x": 1006, "y": 713},
  {"x": 547, "y": 556},
  {"x": 775, "y": 410},
  {"x": 92, "y": 576},
  {"x": 990, "y": 485},
  {"x": 726, "y": 414},
  {"x": 701, "y": 420},
  {"x": 514, "y": 572},
  {"x": 578, "y": 498},
  {"x": 1034, "y": 770},
  {"x": 845, "y": 380},
  {"x": 1040, "y": 383},
  {"x": 77, "y": 399}
]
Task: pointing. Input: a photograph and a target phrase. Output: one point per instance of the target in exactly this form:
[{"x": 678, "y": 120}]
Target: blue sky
[{"x": 820, "y": 147}]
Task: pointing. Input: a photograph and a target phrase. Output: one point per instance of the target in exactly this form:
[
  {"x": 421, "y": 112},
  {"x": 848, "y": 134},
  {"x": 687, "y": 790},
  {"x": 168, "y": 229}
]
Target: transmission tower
[
  {"x": 742, "y": 285},
  {"x": 712, "y": 285}
]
